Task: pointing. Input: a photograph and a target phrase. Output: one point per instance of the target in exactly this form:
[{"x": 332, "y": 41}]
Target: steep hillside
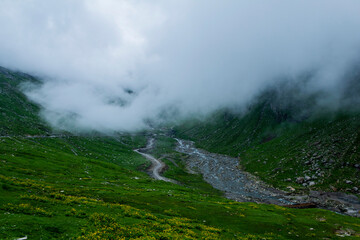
[
  {"x": 290, "y": 146},
  {"x": 19, "y": 116}
]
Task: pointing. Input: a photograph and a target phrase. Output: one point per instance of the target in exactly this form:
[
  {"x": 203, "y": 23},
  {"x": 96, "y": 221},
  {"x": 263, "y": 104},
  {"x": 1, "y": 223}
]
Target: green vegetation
[
  {"x": 48, "y": 191},
  {"x": 324, "y": 147},
  {"x": 176, "y": 169},
  {"x": 95, "y": 187},
  {"x": 18, "y": 116}
]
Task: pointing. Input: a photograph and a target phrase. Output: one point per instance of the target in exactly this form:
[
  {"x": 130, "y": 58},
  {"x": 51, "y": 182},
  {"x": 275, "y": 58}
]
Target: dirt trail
[{"x": 156, "y": 165}]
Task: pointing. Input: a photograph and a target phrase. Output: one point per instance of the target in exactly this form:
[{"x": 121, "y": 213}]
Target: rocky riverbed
[{"x": 223, "y": 173}]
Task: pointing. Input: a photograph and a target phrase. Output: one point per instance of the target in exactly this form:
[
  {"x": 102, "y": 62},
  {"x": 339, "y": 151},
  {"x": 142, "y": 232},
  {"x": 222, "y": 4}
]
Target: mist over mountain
[{"x": 113, "y": 65}]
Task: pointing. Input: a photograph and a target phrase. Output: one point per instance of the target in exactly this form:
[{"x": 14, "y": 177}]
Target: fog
[{"x": 114, "y": 65}]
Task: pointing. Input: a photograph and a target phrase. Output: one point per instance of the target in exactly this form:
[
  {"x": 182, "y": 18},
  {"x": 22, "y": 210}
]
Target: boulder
[
  {"x": 290, "y": 188},
  {"x": 312, "y": 183},
  {"x": 300, "y": 180}
]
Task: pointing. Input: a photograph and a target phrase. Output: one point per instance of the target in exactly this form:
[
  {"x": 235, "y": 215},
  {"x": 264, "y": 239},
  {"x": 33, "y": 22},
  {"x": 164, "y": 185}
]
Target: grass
[
  {"x": 47, "y": 191},
  {"x": 176, "y": 169},
  {"x": 18, "y": 115},
  {"x": 320, "y": 147},
  {"x": 324, "y": 147},
  {"x": 96, "y": 187}
]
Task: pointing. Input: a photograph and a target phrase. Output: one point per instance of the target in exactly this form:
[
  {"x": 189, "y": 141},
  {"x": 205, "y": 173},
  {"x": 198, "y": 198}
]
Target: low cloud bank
[{"x": 113, "y": 65}]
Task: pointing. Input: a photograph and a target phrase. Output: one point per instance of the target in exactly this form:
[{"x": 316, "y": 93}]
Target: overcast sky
[{"x": 192, "y": 56}]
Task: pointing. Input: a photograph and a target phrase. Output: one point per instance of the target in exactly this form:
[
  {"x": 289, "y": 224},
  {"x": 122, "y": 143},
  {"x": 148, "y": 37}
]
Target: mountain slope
[
  {"x": 286, "y": 146},
  {"x": 19, "y": 116}
]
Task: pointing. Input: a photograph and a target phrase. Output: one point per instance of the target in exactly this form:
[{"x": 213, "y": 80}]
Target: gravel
[{"x": 223, "y": 173}]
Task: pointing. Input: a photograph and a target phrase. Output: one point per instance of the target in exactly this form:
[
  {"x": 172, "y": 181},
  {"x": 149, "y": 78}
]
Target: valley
[
  {"x": 179, "y": 120},
  {"x": 60, "y": 185},
  {"x": 224, "y": 174}
]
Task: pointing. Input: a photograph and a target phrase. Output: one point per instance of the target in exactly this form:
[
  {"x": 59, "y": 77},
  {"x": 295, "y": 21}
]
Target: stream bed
[{"x": 223, "y": 173}]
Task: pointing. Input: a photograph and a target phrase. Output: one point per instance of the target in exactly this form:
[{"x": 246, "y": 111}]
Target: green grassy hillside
[
  {"x": 19, "y": 116},
  {"x": 283, "y": 149},
  {"x": 95, "y": 187},
  {"x": 89, "y": 188}
]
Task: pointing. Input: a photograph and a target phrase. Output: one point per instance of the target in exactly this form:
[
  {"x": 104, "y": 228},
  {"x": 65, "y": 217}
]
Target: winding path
[{"x": 156, "y": 165}]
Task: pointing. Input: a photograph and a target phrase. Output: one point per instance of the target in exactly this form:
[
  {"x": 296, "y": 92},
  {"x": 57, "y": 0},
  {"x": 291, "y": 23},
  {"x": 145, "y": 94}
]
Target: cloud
[{"x": 111, "y": 65}]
